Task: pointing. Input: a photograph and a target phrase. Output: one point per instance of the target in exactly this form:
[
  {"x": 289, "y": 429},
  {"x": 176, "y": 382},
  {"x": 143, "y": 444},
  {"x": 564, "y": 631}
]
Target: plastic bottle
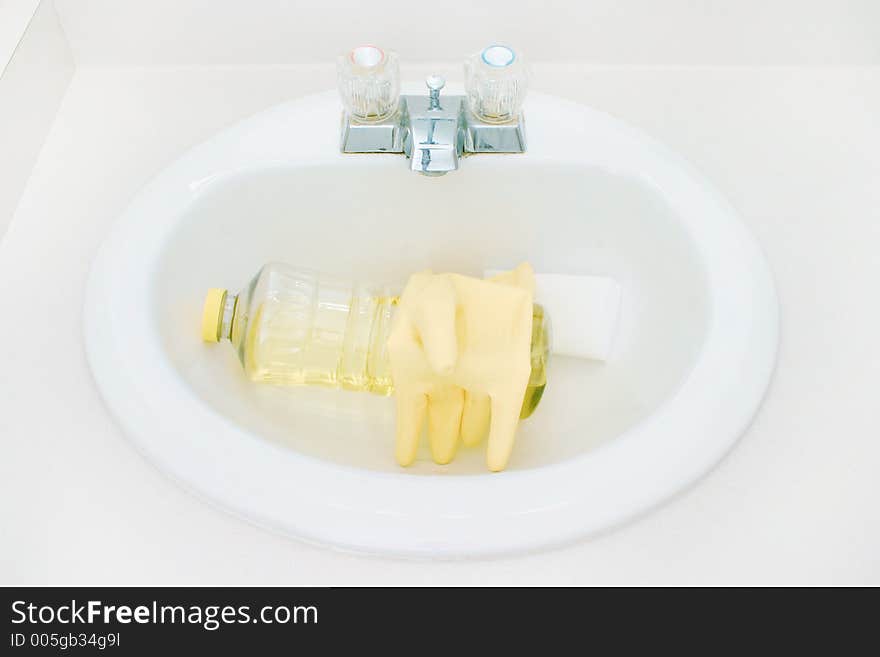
[{"x": 292, "y": 326}]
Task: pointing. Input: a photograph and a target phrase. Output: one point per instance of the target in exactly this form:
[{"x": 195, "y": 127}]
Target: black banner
[{"x": 150, "y": 621}]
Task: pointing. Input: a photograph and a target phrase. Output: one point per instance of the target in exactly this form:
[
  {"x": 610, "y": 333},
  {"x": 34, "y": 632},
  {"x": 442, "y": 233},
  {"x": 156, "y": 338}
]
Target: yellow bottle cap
[{"x": 212, "y": 314}]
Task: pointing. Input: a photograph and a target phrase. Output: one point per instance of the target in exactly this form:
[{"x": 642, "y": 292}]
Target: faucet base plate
[
  {"x": 432, "y": 133},
  {"x": 483, "y": 137},
  {"x": 384, "y": 136}
]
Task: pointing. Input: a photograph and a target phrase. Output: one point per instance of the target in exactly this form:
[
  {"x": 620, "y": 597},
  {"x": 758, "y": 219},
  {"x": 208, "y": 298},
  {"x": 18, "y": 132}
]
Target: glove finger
[
  {"x": 502, "y": 427},
  {"x": 444, "y": 422},
  {"x": 475, "y": 418},
  {"x": 410, "y": 417}
]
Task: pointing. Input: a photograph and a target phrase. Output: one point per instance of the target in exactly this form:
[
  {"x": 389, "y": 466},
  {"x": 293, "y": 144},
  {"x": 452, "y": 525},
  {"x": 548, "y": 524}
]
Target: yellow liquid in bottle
[
  {"x": 540, "y": 355},
  {"x": 339, "y": 345}
]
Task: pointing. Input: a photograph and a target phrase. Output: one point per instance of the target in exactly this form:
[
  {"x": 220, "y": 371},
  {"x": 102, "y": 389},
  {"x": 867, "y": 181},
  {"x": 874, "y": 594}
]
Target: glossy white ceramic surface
[{"x": 694, "y": 353}]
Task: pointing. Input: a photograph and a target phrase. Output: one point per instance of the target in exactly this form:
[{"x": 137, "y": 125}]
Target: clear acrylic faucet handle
[
  {"x": 496, "y": 80},
  {"x": 369, "y": 83}
]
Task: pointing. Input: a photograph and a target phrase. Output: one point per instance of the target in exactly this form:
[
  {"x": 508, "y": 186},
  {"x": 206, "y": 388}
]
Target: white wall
[
  {"x": 605, "y": 32},
  {"x": 32, "y": 86},
  {"x": 14, "y": 18}
]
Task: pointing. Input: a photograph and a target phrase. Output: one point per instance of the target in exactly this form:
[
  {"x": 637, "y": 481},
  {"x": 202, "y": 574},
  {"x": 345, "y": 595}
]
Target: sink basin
[{"x": 693, "y": 354}]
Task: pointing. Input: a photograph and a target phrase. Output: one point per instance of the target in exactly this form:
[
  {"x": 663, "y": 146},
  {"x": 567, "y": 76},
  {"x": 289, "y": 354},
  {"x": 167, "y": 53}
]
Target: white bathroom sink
[{"x": 693, "y": 354}]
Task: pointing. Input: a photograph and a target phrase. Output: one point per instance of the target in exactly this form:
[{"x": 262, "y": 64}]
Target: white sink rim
[{"x": 433, "y": 516}]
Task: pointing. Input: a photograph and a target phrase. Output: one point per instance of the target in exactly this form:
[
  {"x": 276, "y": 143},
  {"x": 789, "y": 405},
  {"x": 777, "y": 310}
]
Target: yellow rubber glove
[{"x": 459, "y": 350}]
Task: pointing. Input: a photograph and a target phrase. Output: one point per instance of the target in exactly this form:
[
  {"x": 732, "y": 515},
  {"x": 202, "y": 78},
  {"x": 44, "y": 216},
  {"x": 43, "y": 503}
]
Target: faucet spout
[
  {"x": 434, "y": 145},
  {"x": 434, "y": 138}
]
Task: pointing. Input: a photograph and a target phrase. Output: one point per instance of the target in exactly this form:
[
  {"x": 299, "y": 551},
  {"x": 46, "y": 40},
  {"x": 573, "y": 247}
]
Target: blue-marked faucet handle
[{"x": 496, "y": 80}]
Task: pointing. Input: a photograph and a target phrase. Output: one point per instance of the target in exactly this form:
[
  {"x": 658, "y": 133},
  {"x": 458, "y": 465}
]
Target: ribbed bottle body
[{"x": 297, "y": 327}]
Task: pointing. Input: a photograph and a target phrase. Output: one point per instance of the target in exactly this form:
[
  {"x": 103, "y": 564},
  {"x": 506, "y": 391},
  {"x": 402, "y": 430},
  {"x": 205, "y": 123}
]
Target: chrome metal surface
[
  {"x": 483, "y": 137},
  {"x": 433, "y": 131},
  {"x": 384, "y": 136},
  {"x": 432, "y": 142}
]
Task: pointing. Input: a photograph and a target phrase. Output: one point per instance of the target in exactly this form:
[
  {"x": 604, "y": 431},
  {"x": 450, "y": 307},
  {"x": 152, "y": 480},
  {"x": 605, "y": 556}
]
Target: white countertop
[{"x": 797, "y": 501}]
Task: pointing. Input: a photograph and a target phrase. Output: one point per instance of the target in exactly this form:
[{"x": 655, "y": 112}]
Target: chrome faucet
[
  {"x": 433, "y": 131},
  {"x": 431, "y": 140}
]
